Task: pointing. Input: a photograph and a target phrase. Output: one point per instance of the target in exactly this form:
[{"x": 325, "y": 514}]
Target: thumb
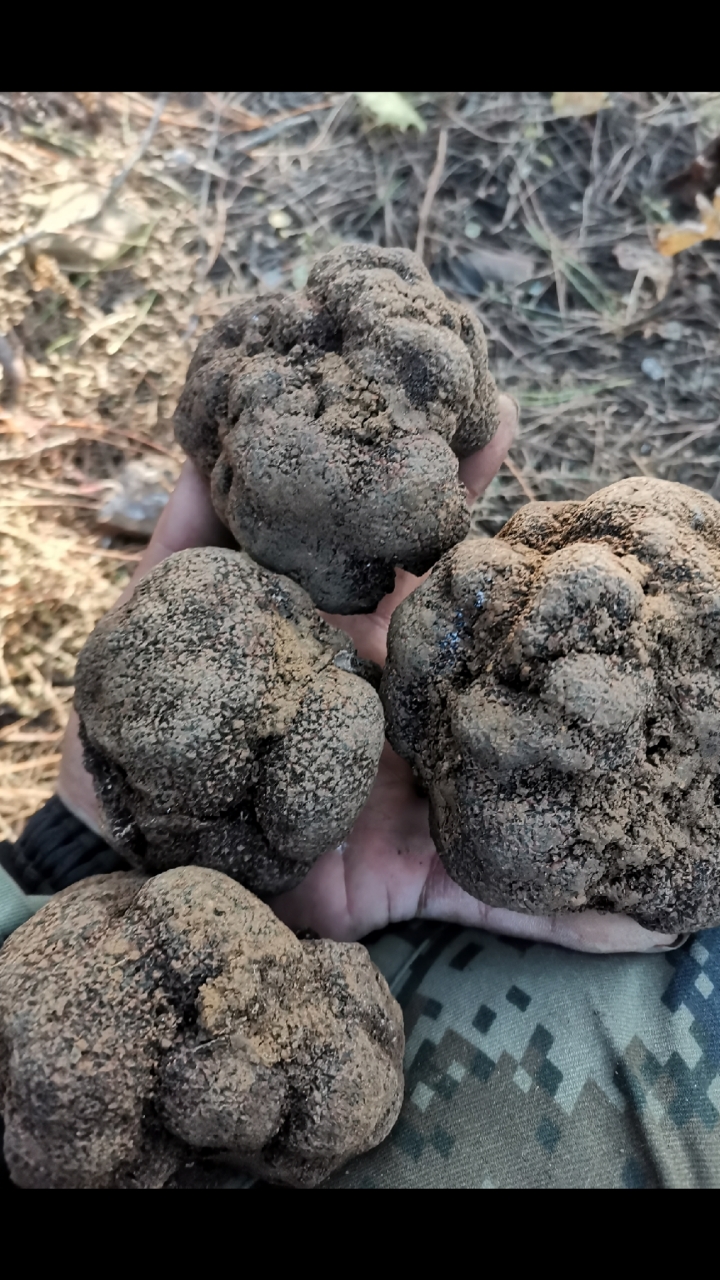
[
  {"x": 188, "y": 520},
  {"x": 477, "y": 470}
]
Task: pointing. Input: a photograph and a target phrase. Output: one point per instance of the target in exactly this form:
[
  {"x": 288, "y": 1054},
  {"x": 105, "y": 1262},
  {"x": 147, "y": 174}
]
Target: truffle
[
  {"x": 557, "y": 691},
  {"x": 145, "y": 1023},
  {"x": 224, "y": 723},
  {"x": 330, "y": 422}
]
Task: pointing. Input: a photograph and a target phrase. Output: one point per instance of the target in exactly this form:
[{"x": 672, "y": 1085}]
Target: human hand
[{"x": 388, "y": 869}]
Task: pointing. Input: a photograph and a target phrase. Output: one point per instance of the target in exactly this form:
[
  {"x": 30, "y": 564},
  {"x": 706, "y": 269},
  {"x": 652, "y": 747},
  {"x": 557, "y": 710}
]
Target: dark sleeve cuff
[{"x": 56, "y": 850}]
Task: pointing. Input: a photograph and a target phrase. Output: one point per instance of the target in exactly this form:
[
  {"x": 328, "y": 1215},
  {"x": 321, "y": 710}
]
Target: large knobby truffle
[
  {"x": 146, "y": 1022},
  {"x": 331, "y": 421},
  {"x": 557, "y": 690},
  {"x": 224, "y": 723}
]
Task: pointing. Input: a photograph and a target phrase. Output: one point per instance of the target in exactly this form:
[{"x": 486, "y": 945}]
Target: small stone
[
  {"x": 279, "y": 219},
  {"x": 139, "y": 493},
  {"x": 653, "y": 369}
]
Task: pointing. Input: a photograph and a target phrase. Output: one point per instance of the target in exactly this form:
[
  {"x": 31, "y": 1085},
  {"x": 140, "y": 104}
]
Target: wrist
[{"x": 57, "y": 849}]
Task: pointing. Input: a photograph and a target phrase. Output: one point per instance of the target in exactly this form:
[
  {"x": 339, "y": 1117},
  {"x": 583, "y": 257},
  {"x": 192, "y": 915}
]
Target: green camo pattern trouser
[{"x": 530, "y": 1066}]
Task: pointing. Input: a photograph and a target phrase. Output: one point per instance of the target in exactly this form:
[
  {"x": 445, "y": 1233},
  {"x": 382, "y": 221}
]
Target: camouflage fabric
[
  {"x": 15, "y": 906},
  {"x": 530, "y": 1066}
]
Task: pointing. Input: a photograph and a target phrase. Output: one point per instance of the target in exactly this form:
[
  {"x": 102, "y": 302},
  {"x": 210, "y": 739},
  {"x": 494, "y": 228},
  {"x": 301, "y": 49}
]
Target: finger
[
  {"x": 337, "y": 903},
  {"x": 188, "y": 520},
  {"x": 480, "y": 468},
  {"x": 476, "y": 472},
  {"x": 591, "y": 931},
  {"x": 376, "y": 876},
  {"x": 388, "y": 871}
]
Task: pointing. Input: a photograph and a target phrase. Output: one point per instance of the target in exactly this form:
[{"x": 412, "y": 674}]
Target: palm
[{"x": 379, "y": 873}]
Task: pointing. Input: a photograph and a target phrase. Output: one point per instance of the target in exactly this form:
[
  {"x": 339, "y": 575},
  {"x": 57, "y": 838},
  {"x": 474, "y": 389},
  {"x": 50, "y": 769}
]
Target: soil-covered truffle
[
  {"x": 146, "y": 1022},
  {"x": 224, "y": 723},
  {"x": 331, "y": 421},
  {"x": 557, "y": 691}
]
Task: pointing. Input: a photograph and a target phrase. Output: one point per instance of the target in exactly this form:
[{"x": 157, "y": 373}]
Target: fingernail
[{"x": 680, "y": 941}]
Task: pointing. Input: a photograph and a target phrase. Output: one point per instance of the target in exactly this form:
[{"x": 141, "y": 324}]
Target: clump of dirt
[
  {"x": 145, "y": 1022},
  {"x": 225, "y": 723},
  {"x": 557, "y": 691},
  {"x": 331, "y": 421}
]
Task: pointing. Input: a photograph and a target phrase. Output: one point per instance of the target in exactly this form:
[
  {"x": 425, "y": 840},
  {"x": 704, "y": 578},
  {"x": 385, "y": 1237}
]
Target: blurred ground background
[{"x": 129, "y": 222}]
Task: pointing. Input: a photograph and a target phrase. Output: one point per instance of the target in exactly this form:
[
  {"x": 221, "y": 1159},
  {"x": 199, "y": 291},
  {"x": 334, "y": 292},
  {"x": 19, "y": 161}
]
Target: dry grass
[{"x": 516, "y": 211}]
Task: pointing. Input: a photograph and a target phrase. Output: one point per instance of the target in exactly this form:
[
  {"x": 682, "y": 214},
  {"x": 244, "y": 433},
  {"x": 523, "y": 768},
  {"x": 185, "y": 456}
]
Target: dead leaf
[
  {"x": 579, "y": 104},
  {"x": 647, "y": 263},
  {"x": 675, "y": 237},
  {"x": 701, "y": 178},
  {"x": 69, "y": 204},
  {"x": 391, "y": 109},
  {"x": 81, "y": 234}
]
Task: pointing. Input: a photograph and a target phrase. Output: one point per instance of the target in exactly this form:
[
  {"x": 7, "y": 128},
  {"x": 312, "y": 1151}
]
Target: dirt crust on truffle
[
  {"x": 147, "y": 1022},
  {"x": 330, "y": 422},
  {"x": 557, "y": 690},
  {"x": 225, "y": 724}
]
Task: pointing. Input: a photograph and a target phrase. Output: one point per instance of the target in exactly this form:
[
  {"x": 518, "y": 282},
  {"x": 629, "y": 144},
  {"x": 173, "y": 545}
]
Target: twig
[
  {"x": 13, "y": 738},
  {"x": 644, "y": 467},
  {"x": 19, "y": 241},
  {"x": 37, "y": 762},
  {"x": 11, "y": 793},
  {"x": 27, "y": 238},
  {"x": 6, "y": 831},
  {"x": 75, "y": 548},
  {"x": 207, "y": 171},
  {"x": 431, "y": 191},
  {"x": 140, "y": 106},
  {"x": 248, "y": 122},
  {"x": 653, "y": 313},
  {"x": 322, "y": 133},
  {"x": 118, "y": 438},
  {"x": 67, "y": 504},
  {"x": 129, "y": 557},
  {"x": 13, "y": 373},
  {"x": 214, "y": 248},
  {"x": 552, "y": 247},
  {"x": 254, "y": 140},
  {"x": 138, "y": 154},
  {"x": 518, "y": 475}
]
